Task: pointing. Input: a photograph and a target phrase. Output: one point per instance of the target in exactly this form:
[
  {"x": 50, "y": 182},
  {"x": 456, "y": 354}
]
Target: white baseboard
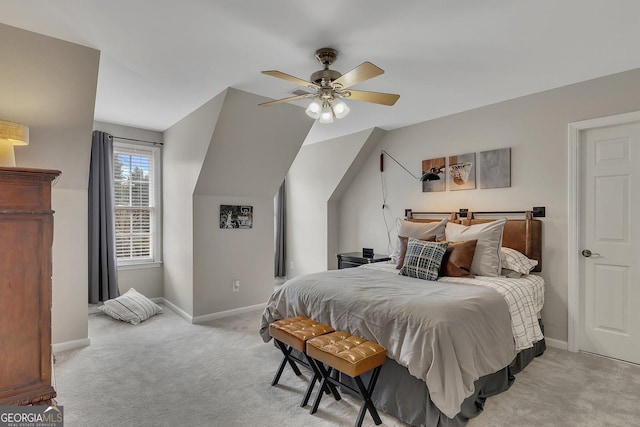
[
  {"x": 70, "y": 345},
  {"x": 561, "y": 345},
  {"x": 93, "y": 309},
  {"x": 207, "y": 317},
  {"x": 227, "y": 313},
  {"x": 177, "y": 310}
]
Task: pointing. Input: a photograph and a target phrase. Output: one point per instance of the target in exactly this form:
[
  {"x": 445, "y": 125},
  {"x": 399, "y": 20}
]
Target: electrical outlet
[{"x": 236, "y": 286}]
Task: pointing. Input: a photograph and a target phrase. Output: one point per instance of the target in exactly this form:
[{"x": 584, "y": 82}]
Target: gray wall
[
  {"x": 251, "y": 150},
  {"x": 222, "y": 256},
  {"x": 50, "y": 85},
  {"x": 317, "y": 178},
  {"x": 185, "y": 146},
  {"x": 230, "y": 151},
  {"x": 535, "y": 127}
]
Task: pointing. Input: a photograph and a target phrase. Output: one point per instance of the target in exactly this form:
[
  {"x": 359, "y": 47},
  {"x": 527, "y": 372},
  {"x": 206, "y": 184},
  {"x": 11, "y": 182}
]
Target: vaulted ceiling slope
[
  {"x": 162, "y": 59},
  {"x": 251, "y": 150}
]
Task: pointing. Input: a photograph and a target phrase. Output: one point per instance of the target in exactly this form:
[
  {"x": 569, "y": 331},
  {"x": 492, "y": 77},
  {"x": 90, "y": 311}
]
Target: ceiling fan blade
[
  {"x": 295, "y": 80},
  {"x": 362, "y": 72},
  {"x": 375, "y": 97},
  {"x": 280, "y": 101}
]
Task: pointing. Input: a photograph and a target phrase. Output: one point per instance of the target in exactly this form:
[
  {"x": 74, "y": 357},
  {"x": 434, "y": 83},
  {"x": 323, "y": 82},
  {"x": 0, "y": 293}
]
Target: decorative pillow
[
  {"x": 132, "y": 307},
  {"x": 403, "y": 248},
  {"x": 516, "y": 261},
  {"x": 486, "y": 260},
  {"x": 458, "y": 258},
  {"x": 423, "y": 259},
  {"x": 417, "y": 230}
]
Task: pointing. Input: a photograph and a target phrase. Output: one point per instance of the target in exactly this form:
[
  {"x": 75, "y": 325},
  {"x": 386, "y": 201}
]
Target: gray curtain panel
[
  {"x": 281, "y": 231},
  {"x": 103, "y": 271}
]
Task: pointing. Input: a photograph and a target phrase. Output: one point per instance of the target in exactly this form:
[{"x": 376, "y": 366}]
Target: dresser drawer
[{"x": 21, "y": 195}]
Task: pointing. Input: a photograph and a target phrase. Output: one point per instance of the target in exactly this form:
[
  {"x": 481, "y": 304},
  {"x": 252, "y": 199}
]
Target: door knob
[{"x": 587, "y": 253}]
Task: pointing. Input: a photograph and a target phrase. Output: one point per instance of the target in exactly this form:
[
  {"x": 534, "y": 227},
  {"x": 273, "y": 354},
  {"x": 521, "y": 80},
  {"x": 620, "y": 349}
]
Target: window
[{"x": 137, "y": 209}]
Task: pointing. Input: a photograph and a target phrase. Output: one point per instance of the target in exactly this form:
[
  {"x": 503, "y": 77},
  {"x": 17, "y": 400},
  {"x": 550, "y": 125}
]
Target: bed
[{"x": 451, "y": 342}]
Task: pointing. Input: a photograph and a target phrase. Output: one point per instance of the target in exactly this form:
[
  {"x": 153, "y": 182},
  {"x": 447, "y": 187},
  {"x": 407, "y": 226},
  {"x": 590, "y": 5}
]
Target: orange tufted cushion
[
  {"x": 295, "y": 331},
  {"x": 347, "y": 353}
]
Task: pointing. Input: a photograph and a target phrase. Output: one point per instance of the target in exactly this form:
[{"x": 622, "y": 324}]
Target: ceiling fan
[{"x": 330, "y": 88}]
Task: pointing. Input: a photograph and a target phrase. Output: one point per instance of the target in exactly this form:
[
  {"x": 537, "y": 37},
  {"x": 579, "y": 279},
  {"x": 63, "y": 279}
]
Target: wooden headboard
[{"x": 523, "y": 235}]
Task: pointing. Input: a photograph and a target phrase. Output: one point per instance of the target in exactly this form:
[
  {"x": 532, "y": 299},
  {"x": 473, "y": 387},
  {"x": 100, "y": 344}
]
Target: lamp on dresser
[
  {"x": 11, "y": 134},
  {"x": 26, "y": 238}
]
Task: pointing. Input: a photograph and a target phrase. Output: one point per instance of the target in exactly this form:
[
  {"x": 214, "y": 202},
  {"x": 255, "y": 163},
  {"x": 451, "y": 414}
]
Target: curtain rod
[{"x": 138, "y": 140}]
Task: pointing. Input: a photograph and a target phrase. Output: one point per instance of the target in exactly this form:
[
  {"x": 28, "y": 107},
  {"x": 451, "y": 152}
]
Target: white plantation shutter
[{"x": 135, "y": 210}]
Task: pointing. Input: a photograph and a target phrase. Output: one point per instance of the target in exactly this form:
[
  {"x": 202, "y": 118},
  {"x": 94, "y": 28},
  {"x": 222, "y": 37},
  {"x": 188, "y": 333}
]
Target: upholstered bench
[
  {"x": 292, "y": 334},
  {"x": 352, "y": 356}
]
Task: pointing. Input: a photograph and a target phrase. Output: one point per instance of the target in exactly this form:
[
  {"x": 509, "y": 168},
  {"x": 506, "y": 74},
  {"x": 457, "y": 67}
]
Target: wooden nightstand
[{"x": 355, "y": 259}]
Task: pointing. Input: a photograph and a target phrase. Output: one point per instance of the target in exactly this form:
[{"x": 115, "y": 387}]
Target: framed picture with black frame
[{"x": 236, "y": 216}]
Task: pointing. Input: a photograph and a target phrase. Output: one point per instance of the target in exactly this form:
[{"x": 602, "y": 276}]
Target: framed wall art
[
  {"x": 462, "y": 172},
  {"x": 234, "y": 216},
  {"x": 495, "y": 168},
  {"x": 435, "y": 179}
]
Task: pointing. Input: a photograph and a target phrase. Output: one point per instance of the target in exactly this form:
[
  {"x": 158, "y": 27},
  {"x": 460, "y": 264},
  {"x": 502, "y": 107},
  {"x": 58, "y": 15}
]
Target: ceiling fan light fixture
[
  {"x": 326, "y": 116},
  {"x": 329, "y": 87},
  {"x": 314, "y": 109},
  {"x": 340, "y": 108}
]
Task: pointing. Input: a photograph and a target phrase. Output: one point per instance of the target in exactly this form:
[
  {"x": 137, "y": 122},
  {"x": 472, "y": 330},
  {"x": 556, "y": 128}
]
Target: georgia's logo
[{"x": 52, "y": 408}]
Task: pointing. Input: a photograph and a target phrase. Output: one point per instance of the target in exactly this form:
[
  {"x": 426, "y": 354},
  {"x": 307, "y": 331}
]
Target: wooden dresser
[{"x": 26, "y": 237}]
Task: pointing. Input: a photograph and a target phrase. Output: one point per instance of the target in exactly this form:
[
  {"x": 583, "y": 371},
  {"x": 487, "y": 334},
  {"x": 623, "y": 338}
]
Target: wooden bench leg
[
  {"x": 286, "y": 351},
  {"x": 365, "y": 394}
]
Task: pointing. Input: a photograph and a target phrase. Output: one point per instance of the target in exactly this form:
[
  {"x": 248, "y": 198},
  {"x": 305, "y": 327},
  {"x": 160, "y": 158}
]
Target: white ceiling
[{"x": 162, "y": 59}]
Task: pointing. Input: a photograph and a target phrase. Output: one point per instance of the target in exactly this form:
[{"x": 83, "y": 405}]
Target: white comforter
[
  {"x": 524, "y": 296},
  {"x": 446, "y": 334}
]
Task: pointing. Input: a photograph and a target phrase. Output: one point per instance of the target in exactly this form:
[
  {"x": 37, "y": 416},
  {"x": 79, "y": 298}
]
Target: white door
[{"x": 610, "y": 292}]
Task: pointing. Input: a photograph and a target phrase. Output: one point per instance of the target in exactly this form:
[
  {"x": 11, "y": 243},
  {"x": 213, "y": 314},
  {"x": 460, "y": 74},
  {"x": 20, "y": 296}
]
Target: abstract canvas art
[{"x": 495, "y": 168}]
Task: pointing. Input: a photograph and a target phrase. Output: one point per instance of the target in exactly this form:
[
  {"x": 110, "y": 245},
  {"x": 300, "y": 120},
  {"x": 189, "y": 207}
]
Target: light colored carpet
[{"x": 166, "y": 372}]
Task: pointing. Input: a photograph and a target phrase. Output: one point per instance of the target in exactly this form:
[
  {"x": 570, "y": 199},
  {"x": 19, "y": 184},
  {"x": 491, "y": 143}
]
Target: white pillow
[
  {"x": 417, "y": 230},
  {"x": 486, "y": 259},
  {"x": 132, "y": 307},
  {"x": 516, "y": 261}
]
